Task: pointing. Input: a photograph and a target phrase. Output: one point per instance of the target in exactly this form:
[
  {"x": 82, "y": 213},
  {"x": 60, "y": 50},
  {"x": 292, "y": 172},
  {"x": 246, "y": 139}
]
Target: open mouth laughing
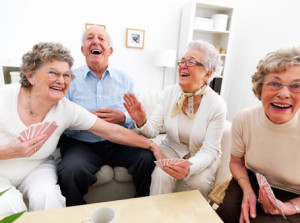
[
  {"x": 184, "y": 74},
  {"x": 281, "y": 106},
  {"x": 57, "y": 88},
  {"x": 97, "y": 52}
]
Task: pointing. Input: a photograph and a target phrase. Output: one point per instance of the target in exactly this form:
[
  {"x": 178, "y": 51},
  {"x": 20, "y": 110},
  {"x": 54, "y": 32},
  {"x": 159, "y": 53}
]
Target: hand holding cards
[
  {"x": 173, "y": 162},
  {"x": 36, "y": 130},
  {"x": 262, "y": 182}
]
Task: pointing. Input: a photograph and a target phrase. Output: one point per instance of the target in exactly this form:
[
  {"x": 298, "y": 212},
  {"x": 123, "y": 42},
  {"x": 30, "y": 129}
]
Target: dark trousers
[
  {"x": 230, "y": 210},
  {"x": 81, "y": 160}
]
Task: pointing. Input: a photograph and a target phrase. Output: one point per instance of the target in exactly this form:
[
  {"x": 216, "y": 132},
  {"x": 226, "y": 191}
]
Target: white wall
[
  {"x": 260, "y": 27},
  {"x": 26, "y": 22}
]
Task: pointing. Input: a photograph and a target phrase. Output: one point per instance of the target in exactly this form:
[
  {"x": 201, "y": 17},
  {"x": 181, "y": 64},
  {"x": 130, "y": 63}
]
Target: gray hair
[
  {"x": 110, "y": 43},
  {"x": 40, "y": 54},
  {"x": 211, "y": 57},
  {"x": 274, "y": 62}
]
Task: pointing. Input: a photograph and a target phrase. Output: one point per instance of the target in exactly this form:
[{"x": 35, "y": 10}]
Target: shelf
[
  {"x": 213, "y": 31},
  {"x": 196, "y": 24}
]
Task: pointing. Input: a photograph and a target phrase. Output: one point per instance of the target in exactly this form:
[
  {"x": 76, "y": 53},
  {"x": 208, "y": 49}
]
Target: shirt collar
[{"x": 106, "y": 72}]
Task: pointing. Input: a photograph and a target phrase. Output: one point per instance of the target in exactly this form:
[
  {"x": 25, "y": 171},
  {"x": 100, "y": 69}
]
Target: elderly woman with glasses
[
  {"x": 26, "y": 165},
  {"x": 265, "y": 144},
  {"x": 193, "y": 116}
]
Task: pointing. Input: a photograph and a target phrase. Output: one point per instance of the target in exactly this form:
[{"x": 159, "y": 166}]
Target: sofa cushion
[
  {"x": 122, "y": 175},
  {"x": 104, "y": 175},
  {"x": 149, "y": 101}
]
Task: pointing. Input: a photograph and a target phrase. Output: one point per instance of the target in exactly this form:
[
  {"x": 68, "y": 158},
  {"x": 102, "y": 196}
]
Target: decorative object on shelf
[
  {"x": 203, "y": 23},
  {"x": 220, "y": 21},
  {"x": 220, "y": 49},
  {"x": 135, "y": 38},
  {"x": 88, "y": 25},
  {"x": 165, "y": 58}
]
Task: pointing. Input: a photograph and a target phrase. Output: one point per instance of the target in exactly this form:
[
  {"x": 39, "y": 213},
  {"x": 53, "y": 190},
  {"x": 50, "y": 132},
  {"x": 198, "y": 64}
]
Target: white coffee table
[{"x": 183, "y": 207}]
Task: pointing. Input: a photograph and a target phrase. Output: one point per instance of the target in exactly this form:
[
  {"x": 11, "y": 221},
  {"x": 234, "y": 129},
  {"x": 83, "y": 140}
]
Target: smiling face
[
  {"x": 96, "y": 49},
  {"x": 194, "y": 77},
  {"x": 46, "y": 85},
  {"x": 281, "y": 106}
]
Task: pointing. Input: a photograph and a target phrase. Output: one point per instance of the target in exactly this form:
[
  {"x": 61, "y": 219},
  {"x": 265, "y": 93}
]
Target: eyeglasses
[
  {"x": 189, "y": 63},
  {"x": 276, "y": 86},
  {"x": 68, "y": 77}
]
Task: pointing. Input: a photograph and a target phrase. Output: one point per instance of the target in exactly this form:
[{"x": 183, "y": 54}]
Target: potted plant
[{"x": 13, "y": 217}]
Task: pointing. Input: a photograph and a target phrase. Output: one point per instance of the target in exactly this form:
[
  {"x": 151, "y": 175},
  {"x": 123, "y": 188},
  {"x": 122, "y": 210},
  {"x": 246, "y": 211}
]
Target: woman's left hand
[
  {"x": 270, "y": 208},
  {"x": 177, "y": 172}
]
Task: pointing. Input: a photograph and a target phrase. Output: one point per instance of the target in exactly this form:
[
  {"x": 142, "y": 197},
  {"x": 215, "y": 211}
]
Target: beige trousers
[{"x": 163, "y": 183}]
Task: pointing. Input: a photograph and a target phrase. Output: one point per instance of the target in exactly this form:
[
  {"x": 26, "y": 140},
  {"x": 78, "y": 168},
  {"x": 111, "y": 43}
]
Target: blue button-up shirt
[{"x": 93, "y": 93}]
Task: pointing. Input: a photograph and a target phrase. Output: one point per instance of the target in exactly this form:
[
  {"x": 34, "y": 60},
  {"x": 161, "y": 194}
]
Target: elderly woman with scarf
[{"x": 193, "y": 116}]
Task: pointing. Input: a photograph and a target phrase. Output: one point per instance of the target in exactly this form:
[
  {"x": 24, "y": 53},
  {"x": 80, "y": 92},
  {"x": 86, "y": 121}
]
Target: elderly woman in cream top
[
  {"x": 265, "y": 140},
  {"x": 193, "y": 116}
]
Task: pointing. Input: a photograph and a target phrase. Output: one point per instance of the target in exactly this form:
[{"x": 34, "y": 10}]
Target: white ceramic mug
[{"x": 101, "y": 215}]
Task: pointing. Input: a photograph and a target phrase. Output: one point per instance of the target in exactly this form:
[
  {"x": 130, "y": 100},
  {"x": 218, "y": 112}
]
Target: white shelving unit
[{"x": 204, "y": 9}]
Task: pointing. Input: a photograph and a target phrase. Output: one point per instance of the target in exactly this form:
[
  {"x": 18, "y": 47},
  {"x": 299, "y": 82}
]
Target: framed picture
[
  {"x": 135, "y": 38},
  {"x": 88, "y": 25}
]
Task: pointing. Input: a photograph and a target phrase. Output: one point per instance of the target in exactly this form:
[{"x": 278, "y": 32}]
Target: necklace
[
  {"x": 193, "y": 103},
  {"x": 31, "y": 113}
]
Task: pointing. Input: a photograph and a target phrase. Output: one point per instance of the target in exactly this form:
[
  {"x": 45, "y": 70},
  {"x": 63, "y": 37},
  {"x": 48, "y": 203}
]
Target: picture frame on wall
[
  {"x": 88, "y": 25},
  {"x": 135, "y": 38}
]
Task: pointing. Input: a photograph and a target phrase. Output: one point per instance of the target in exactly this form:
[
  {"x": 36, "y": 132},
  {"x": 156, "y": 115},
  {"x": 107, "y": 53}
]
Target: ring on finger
[{"x": 258, "y": 201}]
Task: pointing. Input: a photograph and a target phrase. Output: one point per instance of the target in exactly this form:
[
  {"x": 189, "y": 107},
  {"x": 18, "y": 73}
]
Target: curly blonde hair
[
  {"x": 40, "y": 54},
  {"x": 274, "y": 62}
]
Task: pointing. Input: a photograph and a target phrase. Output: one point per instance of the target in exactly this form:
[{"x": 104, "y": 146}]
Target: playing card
[
  {"x": 22, "y": 136},
  {"x": 184, "y": 164},
  {"x": 36, "y": 130},
  {"x": 159, "y": 163},
  {"x": 173, "y": 162},
  {"x": 262, "y": 182}
]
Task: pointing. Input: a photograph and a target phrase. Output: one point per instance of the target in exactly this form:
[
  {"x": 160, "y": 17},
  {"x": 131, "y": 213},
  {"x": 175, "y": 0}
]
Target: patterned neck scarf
[{"x": 190, "y": 97}]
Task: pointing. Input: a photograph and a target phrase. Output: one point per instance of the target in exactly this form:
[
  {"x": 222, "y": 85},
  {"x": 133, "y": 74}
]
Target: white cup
[{"x": 101, "y": 215}]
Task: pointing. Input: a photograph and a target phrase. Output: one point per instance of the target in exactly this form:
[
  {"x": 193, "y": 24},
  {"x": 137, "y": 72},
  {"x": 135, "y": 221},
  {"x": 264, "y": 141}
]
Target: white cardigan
[{"x": 206, "y": 132}]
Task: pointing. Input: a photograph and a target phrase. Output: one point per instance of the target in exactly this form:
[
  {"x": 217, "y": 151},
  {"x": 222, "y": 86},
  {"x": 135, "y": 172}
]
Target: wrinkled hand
[
  {"x": 110, "y": 115},
  {"x": 18, "y": 149},
  {"x": 157, "y": 152},
  {"x": 248, "y": 207},
  {"x": 135, "y": 109},
  {"x": 177, "y": 172},
  {"x": 270, "y": 208}
]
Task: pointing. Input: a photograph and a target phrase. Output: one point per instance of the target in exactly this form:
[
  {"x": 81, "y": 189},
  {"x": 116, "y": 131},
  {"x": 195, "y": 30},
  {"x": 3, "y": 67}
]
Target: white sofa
[{"x": 116, "y": 183}]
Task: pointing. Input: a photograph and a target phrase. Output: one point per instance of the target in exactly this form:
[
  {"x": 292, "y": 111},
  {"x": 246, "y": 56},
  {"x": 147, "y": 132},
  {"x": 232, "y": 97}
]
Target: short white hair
[
  {"x": 211, "y": 57},
  {"x": 110, "y": 44}
]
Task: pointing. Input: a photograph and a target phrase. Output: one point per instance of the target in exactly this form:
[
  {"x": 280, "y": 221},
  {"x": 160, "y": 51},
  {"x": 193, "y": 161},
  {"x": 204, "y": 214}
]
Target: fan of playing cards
[
  {"x": 262, "y": 182},
  {"x": 38, "y": 129},
  {"x": 172, "y": 162}
]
